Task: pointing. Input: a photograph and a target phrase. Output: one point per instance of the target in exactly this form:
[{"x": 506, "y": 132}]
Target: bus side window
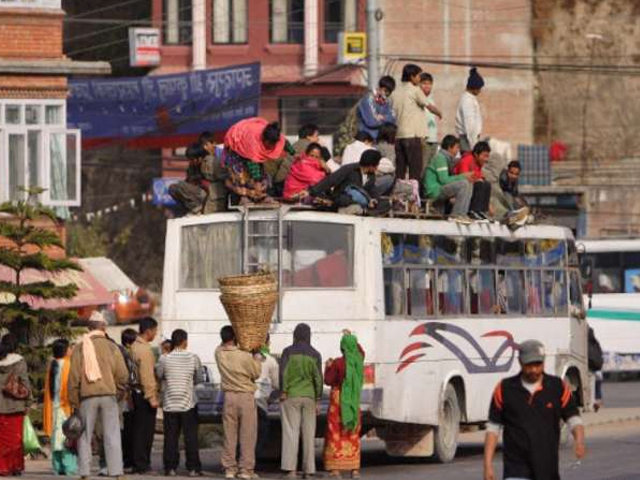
[
  {"x": 560, "y": 292},
  {"x": 509, "y": 252},
  {"x": 482, "y": 292},
  {"x": 450, "y": 250},
  {"x": 481, "y": 251},
  {"x": 533, "y": 291},
  {"x": 451, "y": 288},
  {"x": 532, "y": 255},
  {"x": 548, "y": 295},
  {"x": 514, "y": 289},
  {"x": 421, "y": 294},
  {"x": 554, "y": 252},
  {"x": 394, "y": 294},
  {"x": 572, "y": 253},
  {"x": 575, "y": 292}
]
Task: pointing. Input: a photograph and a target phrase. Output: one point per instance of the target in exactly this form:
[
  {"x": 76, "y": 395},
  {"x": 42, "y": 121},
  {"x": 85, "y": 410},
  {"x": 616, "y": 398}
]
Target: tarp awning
[{"x": 90, "y": 291}]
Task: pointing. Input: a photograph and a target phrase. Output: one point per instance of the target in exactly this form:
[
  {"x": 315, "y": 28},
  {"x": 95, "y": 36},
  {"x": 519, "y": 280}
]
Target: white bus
[
  {"x": 438, "y": 307},
  {"x": 614, "y": 311}
]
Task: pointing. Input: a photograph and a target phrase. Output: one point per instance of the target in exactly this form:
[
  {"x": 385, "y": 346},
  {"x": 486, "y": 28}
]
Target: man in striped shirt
[{"x": 179, "y": 372}]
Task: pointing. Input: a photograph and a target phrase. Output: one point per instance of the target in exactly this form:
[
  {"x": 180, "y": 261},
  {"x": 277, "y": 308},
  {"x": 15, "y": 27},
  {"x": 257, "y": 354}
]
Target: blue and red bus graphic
[{"x": 482, "y": 362}]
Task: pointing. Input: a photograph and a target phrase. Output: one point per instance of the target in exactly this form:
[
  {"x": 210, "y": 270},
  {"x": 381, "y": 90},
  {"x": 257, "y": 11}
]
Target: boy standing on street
[
  {"x": 145, "y": 399},
  {"x": 180, "y": 371}
]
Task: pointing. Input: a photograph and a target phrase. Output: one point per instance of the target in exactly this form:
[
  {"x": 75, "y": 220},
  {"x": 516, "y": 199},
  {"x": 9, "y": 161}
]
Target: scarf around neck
[{"x": 91, "y": 365}]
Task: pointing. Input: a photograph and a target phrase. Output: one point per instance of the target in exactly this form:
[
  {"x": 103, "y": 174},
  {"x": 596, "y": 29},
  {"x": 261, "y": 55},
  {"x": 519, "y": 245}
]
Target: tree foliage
[{"x": 25, "y": 248}]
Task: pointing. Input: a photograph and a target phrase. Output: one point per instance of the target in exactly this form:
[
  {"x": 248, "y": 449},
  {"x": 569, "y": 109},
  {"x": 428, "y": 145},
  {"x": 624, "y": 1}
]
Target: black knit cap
[
  {"x": 370, "y": 158},
  {"x": 475, "y": 80}
]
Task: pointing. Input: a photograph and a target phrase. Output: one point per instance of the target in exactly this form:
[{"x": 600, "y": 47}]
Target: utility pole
[
  {"x": 593, "y": 38},
  {"x": 374, "y": 15}
]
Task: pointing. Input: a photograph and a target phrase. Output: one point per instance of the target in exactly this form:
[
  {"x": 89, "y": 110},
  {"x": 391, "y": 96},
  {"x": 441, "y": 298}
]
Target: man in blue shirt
[{"x": 374, "y": 110}]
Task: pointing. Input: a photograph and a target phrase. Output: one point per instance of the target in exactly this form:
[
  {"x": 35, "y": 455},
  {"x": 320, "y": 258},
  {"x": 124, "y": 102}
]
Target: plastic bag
[
  {"x": 30, "y": 441},
  {"x": 73, "y": 427}
]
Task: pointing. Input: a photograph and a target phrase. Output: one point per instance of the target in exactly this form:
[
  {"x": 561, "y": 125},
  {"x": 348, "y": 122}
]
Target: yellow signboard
[{"x": 353, "y": 47}]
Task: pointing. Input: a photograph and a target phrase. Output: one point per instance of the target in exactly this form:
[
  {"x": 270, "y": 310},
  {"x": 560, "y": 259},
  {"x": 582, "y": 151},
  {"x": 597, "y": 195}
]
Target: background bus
[{"x": 614, "y": 306}]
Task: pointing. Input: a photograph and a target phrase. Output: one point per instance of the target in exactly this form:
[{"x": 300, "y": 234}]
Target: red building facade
[{"x": 296, "y": 42}]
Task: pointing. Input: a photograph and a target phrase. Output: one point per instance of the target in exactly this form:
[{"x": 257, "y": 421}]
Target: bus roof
[
  {"x": 387, "y": 224},
  {"x": 604, "y": 245}
]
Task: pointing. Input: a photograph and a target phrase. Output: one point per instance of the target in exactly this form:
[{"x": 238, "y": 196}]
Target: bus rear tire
[{"x": 448, "y": 429}]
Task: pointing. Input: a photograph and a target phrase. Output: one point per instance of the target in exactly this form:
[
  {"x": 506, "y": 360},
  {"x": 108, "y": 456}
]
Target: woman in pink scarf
[
  {"x": 307, "y": 170},
  {"x": 248, "y": 144}
]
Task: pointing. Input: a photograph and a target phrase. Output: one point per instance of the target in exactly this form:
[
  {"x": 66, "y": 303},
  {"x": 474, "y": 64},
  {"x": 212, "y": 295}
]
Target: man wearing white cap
[
  {"x": 528, "y": 408},
  {"x": 97, "y": 374}
]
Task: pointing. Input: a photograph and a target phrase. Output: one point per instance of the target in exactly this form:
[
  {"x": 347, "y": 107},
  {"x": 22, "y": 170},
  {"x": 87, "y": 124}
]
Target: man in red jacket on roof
[{"x": 473, "y": 162}]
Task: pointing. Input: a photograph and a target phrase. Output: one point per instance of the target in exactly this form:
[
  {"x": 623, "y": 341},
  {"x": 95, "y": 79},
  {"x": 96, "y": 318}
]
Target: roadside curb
[{"x": 593, "y": 419}]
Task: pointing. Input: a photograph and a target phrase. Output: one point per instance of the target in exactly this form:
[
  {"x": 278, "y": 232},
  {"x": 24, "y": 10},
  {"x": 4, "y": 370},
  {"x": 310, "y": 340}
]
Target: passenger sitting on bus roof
[
  {"x": 279, "y": 169},
  {"x": 472, "y": 162},
  {"x": 332, "y": 165},
  {"x": 191, "y": 194},
  {"x": 214, "y": 170},
  {"x": 504, "y": 196},
  {"x": 351, "y": 186},
  {"x": 308, "y": 169},
  {"x": 307, "y": 134},
  {"x": 386, "y": 184},
  {"x": 440, "y": 185},
  {"x": 352, "y": 152},
  {"x": 249, "y": 145}
]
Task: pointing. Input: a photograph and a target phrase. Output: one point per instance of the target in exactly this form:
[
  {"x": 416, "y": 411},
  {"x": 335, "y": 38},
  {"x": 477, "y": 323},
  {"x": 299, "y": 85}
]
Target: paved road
[
  {"x": 612, "y": 454},
  {"x": 621, "y": 394}
]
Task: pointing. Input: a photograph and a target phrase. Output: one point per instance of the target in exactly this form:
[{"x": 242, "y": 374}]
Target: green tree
[{"x": 24, "y": 248}]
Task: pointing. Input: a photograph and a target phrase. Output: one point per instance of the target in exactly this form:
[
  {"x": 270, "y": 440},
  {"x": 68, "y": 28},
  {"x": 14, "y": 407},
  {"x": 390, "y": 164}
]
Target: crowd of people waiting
[
  {"x": 115, "y": 392},
  {"x": 394, "y": 159}
]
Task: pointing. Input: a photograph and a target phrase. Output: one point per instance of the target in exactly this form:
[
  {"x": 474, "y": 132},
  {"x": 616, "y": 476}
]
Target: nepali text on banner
[{"x": 158, "y": 107}]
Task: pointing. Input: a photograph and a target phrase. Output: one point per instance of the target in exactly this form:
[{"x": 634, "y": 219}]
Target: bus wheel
[{"x": 446, "y": 434}]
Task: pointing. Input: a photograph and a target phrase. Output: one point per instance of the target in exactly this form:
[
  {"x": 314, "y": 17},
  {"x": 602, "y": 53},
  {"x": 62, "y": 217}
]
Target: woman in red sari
[
  {"x": 12, "y": 410},
  {"x": 345, "y": 377},
  {"x": 248, "y": 145}
]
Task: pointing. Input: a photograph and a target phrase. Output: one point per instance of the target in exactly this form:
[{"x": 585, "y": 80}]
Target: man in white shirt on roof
[
  {"x": 468, "y": 113},
  {"x": 363, "y": 141}
]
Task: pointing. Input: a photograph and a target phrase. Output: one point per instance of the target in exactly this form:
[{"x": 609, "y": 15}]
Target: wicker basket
[
  {"x": 246, "y": 280},
  {"x": 249, "y": 301}
]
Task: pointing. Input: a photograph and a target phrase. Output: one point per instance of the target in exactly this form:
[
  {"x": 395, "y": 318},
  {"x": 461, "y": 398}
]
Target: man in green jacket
[
  {"x": 301, "y": 385},
  {"x": 439, "y": 184}
]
